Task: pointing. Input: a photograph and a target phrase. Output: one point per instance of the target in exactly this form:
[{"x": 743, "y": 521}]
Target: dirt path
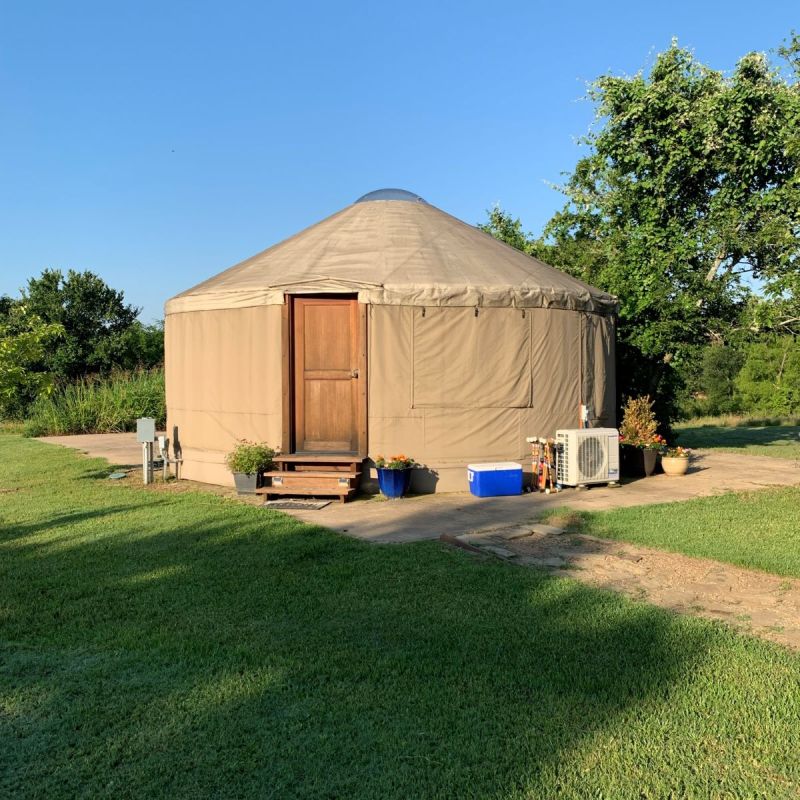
[{"x": 756, "y": 602}]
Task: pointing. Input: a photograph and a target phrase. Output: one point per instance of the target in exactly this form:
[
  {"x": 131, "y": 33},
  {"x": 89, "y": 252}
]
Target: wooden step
[
  {"x": 318, "y": 463},
  {"x": 312, "y": 474},
  {"x": 324, "y": 491},
  {"x": 318, "y": 458},
  {"x": 299, "y": 480}
]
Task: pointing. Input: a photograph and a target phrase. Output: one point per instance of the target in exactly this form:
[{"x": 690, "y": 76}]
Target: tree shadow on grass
[
  {"x": 30, "y": 530},
  {"x": 713, "y": 436},
  {"x": 236, "y": 653}
]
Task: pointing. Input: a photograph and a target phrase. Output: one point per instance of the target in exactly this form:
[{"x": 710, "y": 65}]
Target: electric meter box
[{"x": 145, "y": 429}]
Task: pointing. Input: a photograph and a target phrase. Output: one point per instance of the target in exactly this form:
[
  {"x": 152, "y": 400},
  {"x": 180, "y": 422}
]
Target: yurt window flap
[{"x": 471, "y": 358}]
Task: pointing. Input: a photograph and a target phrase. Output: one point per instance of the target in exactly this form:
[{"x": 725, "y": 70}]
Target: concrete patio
[{"x": 430, "y": 516}]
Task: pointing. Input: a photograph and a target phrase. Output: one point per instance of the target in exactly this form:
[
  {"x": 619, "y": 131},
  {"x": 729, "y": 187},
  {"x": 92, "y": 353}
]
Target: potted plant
[
  {"x": 394, "y": 475},
  {"x": 641, "y": 445},
  {"x": 675, "y": 461},
  {"x": 248, "y": 461}
]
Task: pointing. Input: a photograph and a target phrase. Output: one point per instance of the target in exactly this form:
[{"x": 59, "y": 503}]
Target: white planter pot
[{"x": 674, "y": 465}]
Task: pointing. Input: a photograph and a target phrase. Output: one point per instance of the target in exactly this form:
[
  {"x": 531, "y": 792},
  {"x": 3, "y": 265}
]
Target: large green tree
[
  {"x": 101, "y": 331},
  {"x": 24, "y": 340},
  {"x": 691, "y": 183}
]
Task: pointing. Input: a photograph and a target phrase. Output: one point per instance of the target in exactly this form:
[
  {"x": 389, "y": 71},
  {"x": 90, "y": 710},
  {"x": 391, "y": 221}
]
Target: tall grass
[
  {"x": 100, "y": 405},
  {"x": 737, "y": 421}
]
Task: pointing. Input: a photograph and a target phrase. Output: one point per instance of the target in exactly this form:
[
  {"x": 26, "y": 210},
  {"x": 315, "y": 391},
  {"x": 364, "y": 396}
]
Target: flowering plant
[
  {"x": 250, "y": 457},
  {"x": 639, "y": 425},
  {"x": 658, "y": 442},
  {"x": 394, "y": 462},
  {"x": 678, "y": 452}
]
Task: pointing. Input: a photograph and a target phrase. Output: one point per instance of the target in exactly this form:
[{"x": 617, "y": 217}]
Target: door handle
[{"x": 353, "y": 373}]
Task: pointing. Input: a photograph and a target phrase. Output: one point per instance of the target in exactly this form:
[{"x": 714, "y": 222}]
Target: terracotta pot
[{"x": 675, "y": 465}]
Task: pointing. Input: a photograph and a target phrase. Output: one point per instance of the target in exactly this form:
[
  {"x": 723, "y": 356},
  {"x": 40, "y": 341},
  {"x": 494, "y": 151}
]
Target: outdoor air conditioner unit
[{"x": 587, "y": 455}]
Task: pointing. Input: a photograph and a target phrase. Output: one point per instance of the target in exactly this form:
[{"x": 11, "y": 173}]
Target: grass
[
  {"x": 100, "y": 405},
  {"x": 775, "y": 437},
  {"x": 158, "y": 644},
  {"x": 759, "y": 530}
]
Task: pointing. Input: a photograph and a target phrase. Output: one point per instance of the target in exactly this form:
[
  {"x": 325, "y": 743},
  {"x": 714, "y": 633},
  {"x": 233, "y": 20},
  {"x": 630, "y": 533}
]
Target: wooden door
[{"x": 327, "y": 365}]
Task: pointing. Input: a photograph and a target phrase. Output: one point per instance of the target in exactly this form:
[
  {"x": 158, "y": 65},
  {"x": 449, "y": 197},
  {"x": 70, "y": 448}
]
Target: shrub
[
  {"x": 250, "y": 457},
  {"x": 639, "y": 425},
  {"x": 100, "y": 405}
]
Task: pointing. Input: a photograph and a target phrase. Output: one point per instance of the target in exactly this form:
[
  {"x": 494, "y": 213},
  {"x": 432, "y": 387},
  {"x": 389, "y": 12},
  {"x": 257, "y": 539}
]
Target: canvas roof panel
[{"x": 395, "y": 252}]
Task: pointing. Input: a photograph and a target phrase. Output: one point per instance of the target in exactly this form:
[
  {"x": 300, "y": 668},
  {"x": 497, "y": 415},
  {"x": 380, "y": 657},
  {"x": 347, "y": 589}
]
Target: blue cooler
[{"x": 497, "y": 479}]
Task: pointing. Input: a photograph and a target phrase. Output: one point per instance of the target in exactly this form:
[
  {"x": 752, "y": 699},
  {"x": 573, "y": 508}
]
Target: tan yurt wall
[
  {"x": 223, "y": 383},
  {"x": 449, "y": 386},
  {"x": 598, "y": 367}
]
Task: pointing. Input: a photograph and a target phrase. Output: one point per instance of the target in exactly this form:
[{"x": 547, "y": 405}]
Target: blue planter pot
[{"x": 394, "y": 482}]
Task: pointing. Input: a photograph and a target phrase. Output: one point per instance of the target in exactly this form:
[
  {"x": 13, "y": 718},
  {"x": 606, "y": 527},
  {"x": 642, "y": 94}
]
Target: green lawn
[
  {"x": 157, "y": 644},
  {"x": 760, "y": 530},
  {"x": 779, "y": 441}
]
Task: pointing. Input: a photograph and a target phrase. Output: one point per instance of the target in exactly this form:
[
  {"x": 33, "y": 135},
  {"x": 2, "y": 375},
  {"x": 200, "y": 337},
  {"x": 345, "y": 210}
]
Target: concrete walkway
[
  {"x": 119, "y": 449},
  {"x": 429, "y": 516}
]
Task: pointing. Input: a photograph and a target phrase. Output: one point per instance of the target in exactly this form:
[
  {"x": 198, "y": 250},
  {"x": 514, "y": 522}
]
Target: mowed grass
[
  {"x": 742, "y": 435},
  {"x": 158, "y": 644},
  {"x": 758, "y": 530}
]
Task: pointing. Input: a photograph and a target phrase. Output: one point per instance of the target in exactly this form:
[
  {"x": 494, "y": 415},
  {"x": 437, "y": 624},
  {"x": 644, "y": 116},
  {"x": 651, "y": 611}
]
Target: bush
[
  {"x": 639, "y": 425},
  {"x": 250, "y": 457},
  {"x": 100, "y": 405}
]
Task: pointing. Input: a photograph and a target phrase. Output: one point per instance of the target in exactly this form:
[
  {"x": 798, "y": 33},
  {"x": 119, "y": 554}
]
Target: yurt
[{"x": 389, "y": 327}]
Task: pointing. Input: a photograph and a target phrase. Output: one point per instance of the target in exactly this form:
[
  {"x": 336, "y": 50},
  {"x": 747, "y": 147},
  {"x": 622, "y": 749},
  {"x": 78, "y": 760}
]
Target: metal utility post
[
  {"x": 163, "y": 450},
  {"x": 146, "y": 433}
]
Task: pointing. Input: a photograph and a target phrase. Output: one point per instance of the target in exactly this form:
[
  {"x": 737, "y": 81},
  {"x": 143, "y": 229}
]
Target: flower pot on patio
[
  {"x": 638, "y": 462},
  {"x": 675, "y": 465},
  {"x": 394, "y": 483},
  {"x": 248, "y": 461},
  {"x": 247, "y": 482},
  {"x": 676, "y": 460}
]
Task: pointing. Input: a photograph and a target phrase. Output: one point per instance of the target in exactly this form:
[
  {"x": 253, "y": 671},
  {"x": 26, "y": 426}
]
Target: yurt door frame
[{"x": 325, "y": 375}]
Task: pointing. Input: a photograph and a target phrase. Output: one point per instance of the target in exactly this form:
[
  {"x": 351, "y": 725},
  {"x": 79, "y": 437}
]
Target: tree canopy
[
  {"x": 24, "y": 339},
  {"x": 688, "y": 197},
  {"x": 101, "y": 332}
]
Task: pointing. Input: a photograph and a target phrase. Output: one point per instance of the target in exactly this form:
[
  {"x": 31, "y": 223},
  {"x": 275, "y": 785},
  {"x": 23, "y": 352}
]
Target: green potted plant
[
  {"x": 640, "y": 443},
  {"x": 394, "y": 475},
  {"x": 675, "y": 461},
  {"x": 248, "y": 461}
]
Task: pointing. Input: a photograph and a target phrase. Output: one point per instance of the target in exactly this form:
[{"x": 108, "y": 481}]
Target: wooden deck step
[
  {"x": 311, "y": 474},
  {"x": 314, "y": 475},
  {"x": 298, "y": 480},
  {"x": 316, "y": 458},
  {"x": 310, "y": 491},
  {"x": 324, "y": 491}
]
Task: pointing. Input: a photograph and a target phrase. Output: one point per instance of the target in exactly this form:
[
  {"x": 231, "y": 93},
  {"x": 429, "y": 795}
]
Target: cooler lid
[{"x": 494, "y": 466}]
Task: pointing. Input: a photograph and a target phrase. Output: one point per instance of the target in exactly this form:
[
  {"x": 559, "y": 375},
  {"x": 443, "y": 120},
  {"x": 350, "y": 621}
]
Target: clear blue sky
[{"x": 158, "y": 143}]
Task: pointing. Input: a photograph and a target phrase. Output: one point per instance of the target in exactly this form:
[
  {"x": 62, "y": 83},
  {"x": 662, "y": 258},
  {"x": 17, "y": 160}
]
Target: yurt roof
[{"x": 392, "y": 248}]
